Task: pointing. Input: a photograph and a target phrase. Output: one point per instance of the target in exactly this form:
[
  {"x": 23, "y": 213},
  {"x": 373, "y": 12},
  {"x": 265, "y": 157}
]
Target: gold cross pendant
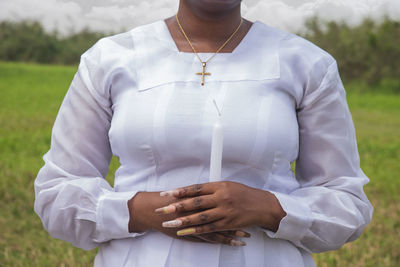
[{"x": 203, "y": 73}]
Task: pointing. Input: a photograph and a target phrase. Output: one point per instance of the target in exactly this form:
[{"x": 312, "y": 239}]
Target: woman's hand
[
  {"x": 221, "y": 206},
  {"x": 142, "y": 218}
]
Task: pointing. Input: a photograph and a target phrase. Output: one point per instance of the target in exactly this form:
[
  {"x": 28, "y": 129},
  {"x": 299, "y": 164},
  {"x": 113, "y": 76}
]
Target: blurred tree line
[
  {"x": 367, "y": 53},
  {"x": 29, "y": 42}
]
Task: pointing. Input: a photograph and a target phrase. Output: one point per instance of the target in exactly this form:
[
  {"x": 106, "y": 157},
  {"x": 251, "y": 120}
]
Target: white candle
[{"x": 216, "y": 149}]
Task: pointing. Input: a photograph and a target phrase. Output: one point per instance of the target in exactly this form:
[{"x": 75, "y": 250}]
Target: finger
[
  {"x": 190, "y": 191},
  {"x": 221, "y": 239},
  {"x": 216, "y": 226},
  {"x": 238, "y": 233},
  {"x": 195, "y": 203},
  {"x": 194, "y": 219}
]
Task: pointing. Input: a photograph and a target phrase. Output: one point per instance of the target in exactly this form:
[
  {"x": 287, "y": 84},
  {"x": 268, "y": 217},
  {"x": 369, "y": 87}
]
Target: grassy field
[{"x": 30, "y": 96}]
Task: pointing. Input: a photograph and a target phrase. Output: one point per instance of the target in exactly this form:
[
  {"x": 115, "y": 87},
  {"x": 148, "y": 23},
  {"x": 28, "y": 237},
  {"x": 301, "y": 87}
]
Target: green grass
[{"x": 30, "y": 96}]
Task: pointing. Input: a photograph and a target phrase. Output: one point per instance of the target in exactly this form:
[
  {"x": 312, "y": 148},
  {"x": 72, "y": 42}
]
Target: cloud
[
  {"x": 292, "y": 14},
  {"x": 117, "y": 15},
  {"x": 75, "y": 15}
]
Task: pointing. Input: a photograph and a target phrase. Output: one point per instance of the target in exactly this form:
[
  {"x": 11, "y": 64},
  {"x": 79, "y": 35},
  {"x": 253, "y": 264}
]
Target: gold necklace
[{"x": 204, "y": 63}]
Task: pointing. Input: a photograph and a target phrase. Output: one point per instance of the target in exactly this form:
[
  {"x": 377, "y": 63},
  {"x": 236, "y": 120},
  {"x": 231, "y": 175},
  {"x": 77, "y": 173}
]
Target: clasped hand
[{"x": 221, "y": 206}]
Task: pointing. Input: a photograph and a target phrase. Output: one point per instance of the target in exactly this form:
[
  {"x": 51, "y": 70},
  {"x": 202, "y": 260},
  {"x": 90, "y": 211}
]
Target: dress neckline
[
  {"x": 159, "y": 61},
  {"x": 173, "y": 45}
]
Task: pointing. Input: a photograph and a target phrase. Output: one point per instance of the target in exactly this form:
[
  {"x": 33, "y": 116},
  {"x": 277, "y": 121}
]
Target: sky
[{"x": 111, "y": 16}]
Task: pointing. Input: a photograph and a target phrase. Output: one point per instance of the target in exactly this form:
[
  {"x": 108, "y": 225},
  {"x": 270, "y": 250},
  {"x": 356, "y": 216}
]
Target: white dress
[{"x": 136, "y": 96}]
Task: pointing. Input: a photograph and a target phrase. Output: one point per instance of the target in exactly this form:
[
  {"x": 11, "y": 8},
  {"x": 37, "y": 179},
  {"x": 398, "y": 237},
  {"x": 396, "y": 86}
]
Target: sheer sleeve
[
  {"x": 330, "y": 207},
  {"x": 73, "y": 200}
]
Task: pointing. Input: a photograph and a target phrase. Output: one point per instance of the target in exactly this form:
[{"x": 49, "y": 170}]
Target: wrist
[
  {"x": 271, "y": 212},
  {"x": 136, "y": 223}
]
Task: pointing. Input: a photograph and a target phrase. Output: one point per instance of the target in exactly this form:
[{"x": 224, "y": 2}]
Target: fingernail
[
  {"x": 166, "y": 210},
  {"x": 173, "y": 223},
  {"x": 187, "y": 231},
  {"x": 242, "y": 234},
  {"x": 169, "y": 193},
  {"x": 166, "y": 193},
  {"x": 237, "y": 243}
]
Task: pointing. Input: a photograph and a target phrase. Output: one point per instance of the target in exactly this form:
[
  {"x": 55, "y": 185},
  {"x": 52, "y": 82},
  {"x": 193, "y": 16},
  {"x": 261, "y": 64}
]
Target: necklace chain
[{"x": 204, "y": 63}]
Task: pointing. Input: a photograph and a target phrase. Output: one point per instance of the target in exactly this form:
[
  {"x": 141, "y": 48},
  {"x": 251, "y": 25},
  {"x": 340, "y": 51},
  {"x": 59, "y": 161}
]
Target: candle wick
[{"x": 216, "y": 106}]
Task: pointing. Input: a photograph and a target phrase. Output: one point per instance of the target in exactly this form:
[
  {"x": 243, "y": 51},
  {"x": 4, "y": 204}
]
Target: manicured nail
[
  {"x": 237, "y": 243},
  {"x": 173, "y": 223},
  {"x": 166, "y": 210},
  {"x": 187, "y": 231},
  {"x": 242, "y": 234},
  {"x": 167, "y": 193}
]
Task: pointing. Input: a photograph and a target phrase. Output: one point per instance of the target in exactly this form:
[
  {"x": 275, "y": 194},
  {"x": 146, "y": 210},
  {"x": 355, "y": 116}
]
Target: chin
[{"x": 214, "y": 6}]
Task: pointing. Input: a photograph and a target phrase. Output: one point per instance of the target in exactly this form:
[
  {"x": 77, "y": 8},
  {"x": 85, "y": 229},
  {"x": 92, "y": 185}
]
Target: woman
[{"x": 147, "y": 97}]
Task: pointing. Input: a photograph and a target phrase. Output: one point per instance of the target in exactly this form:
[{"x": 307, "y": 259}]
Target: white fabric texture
[{"x": 136, "y": 96}]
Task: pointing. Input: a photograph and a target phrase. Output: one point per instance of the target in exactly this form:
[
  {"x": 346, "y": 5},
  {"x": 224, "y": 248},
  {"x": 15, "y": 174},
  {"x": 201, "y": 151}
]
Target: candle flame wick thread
[{"x": 216, "y": 106}]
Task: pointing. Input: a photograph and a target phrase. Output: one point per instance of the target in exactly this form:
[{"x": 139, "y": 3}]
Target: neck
[{"x": 208, "y": 23}]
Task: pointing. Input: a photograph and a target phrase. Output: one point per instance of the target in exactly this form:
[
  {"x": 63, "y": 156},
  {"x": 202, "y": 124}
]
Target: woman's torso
[{"x": 162, "y": 129}]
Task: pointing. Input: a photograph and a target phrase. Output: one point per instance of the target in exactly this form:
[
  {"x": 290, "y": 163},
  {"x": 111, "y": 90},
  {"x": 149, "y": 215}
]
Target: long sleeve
[
  {"x": 330, "y": 207},
  {"x": 73, "y": 200}
]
